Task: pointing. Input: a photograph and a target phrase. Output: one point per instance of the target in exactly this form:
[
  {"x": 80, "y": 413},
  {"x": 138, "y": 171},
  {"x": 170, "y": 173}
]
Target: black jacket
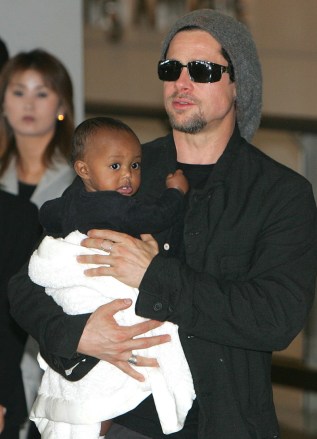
[
  {"x": 245, "y": 290},
  {"x": 19, "y": 232}
]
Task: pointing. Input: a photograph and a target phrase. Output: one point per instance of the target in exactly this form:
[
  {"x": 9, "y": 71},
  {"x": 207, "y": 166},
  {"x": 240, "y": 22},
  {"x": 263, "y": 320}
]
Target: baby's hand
[{"x": 177, "y": 181}]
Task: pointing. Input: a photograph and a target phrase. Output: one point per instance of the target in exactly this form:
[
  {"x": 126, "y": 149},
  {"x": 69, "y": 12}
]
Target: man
[{"x": 247, "y": 283}]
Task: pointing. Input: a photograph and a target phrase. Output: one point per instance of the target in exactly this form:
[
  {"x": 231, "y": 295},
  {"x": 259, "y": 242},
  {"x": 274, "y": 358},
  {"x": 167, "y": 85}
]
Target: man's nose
[{"x": 184, "y": 80}]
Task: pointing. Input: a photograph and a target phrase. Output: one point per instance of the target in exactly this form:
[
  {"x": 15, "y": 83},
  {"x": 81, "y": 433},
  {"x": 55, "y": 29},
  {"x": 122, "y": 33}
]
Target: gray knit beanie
[{"x": 235, "y": 38}]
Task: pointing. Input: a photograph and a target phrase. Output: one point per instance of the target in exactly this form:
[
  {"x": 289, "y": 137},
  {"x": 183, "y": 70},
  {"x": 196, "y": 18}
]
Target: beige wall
[
  {"x": 286, "y": 35},
  {"x": 285, "y": 32}
]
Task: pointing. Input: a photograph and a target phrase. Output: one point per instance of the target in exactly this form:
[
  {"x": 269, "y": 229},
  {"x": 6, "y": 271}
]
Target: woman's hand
[
  {"x": 128, "y": 257},
  {"x": 103, "y": 338}
]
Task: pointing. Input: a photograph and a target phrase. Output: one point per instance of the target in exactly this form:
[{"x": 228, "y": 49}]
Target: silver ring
[
  {"x": 133, "y": 360},
  {"x": 104, "y": 248}
]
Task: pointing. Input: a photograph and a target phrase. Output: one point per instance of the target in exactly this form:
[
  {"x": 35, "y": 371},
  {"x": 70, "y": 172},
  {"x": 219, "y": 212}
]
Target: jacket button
[
  {"x": 166, "y": 246},
  {"x": 157, "y": 306}
]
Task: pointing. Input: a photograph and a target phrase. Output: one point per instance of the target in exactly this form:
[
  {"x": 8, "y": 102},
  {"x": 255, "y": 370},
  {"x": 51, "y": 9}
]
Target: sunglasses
[{"x": 199, "y": 71}]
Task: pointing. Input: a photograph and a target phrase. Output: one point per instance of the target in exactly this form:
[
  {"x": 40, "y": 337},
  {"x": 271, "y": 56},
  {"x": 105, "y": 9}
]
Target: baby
[{"x": 107, "y": 158}]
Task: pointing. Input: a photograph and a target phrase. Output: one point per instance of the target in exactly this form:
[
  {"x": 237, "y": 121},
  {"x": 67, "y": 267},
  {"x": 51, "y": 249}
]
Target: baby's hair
[{"x": 89, "y": 127}]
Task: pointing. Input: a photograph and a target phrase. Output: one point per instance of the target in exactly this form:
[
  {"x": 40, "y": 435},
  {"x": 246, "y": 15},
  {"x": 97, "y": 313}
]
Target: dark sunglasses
[{"x": 199, "y": 71}]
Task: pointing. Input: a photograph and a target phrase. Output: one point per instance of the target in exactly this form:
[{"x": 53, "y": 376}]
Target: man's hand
[
  {"x": 103, "y": 338},
  {"x": 128, "y": 257},
  {"x": 2, "y": 418}
]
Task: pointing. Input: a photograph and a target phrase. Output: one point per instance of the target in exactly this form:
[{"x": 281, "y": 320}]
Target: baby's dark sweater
[{"x": 80, "y": 210}]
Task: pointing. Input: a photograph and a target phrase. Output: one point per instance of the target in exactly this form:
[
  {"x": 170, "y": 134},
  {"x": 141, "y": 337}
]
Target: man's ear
[{"x": 81, "y": 169}]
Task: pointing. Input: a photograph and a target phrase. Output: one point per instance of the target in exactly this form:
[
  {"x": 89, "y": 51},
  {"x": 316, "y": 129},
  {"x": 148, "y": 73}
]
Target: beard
[{"x": 192, "y": 125}]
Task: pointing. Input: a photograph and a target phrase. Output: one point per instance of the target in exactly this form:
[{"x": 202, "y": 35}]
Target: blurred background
[{"x": 111, "y": 49}]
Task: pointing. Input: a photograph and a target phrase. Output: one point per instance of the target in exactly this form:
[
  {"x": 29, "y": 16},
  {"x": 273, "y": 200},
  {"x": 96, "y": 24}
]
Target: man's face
[{"x": 193, "y": 107}]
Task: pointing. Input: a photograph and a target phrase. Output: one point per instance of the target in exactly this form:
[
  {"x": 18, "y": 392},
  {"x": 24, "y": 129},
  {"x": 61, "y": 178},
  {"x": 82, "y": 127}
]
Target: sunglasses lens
[
  {"x": 201, "y": 71},
  {"x": 169, "y": 70}
]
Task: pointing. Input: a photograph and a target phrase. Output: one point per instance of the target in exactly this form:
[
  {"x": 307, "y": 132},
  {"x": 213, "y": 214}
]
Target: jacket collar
[
  {"x": 54, "y": 181},
  {"x": 221, "y": 168},
  {"x": 223, "y": 165}
]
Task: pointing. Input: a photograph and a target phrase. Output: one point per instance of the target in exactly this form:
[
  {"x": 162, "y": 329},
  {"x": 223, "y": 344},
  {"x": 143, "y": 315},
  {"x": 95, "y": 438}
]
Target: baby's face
[{"x": 113, "y": 162}]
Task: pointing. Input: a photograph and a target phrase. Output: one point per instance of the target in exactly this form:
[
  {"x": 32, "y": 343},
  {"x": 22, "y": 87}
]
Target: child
[
  {"x": 106, "y": 155},
  {"x": 107, "y": 158}
]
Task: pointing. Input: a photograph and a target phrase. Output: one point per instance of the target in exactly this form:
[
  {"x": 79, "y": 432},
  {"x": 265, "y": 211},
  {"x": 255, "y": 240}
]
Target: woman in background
[{"x": 36, "y": 126}]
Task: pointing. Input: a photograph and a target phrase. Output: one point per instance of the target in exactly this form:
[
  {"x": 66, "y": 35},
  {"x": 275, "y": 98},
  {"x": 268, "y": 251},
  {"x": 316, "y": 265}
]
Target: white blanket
[{"x": 69, "y": 410}]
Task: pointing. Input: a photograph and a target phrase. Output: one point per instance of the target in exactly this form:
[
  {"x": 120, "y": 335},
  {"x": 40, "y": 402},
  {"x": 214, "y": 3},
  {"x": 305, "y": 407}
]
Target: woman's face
[{"x": 30, "y": 106}]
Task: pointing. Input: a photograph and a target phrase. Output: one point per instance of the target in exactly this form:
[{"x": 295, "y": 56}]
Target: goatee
[{"x": 192, "y": 126}]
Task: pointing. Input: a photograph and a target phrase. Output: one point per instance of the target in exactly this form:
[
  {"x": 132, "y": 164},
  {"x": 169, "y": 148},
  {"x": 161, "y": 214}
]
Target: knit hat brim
[{"x": 236, "y": 39}]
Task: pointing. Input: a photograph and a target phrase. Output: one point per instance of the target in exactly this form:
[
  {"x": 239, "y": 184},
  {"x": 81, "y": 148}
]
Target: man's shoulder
[{"x": 260, "y": 160}]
